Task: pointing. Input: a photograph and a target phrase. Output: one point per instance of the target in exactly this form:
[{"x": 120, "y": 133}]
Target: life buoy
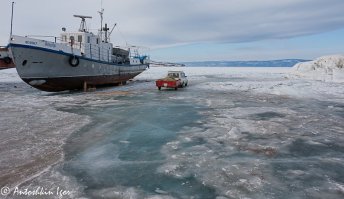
[
  {"x": 74, "y": 61},
  {"x": 7, "y": 60}
]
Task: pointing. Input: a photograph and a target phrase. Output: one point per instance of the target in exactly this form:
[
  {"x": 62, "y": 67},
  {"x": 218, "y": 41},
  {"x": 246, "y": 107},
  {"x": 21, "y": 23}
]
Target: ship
[
  {"x": 5, "y": 59},
  {"x": 75, "y": 60}
]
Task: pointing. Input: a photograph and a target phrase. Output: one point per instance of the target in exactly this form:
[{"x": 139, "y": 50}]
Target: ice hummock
[{"x": 327, "y": 68}]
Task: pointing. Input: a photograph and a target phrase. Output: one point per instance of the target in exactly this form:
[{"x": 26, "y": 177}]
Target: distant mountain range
[{"x": 271, "y": 63}]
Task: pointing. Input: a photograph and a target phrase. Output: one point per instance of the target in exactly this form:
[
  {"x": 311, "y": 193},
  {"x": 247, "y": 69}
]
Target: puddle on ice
[
  {"x": 127, "y": 153},
  {"x": 200, "y": 142}
]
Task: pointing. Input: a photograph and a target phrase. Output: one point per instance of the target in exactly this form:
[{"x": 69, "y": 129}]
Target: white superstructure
[{"x": 85, "y": 44}]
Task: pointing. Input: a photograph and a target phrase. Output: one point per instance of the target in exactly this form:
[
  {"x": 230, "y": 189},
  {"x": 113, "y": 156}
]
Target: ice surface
[
  {"x": 243, "y": 147},
  {"x": 9, "y": 75},
  {"x": 232, "y": 133},
  {"x": 33, "y": 131},
  {"x": 278, "y": 81}
]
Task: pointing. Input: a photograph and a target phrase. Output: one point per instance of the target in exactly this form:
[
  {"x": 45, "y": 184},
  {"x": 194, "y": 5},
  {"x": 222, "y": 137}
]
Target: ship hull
[
  {"x": 76, "y": 83},
  {"x": 52, "y": 71}
]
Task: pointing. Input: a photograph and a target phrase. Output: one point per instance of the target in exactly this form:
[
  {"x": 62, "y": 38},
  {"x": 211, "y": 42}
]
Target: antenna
[
  {"x": 83, "y": 22},
  {"x": 12, "y": 20}
]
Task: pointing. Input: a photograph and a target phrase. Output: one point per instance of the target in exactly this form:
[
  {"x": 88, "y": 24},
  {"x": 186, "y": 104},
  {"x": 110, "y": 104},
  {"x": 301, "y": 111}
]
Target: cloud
[
  {"x": 232, "y": 21},
  {"x": 159, "y": 23}
]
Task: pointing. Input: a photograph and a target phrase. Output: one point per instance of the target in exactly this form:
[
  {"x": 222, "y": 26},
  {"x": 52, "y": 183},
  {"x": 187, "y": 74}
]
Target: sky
[{"x": 194, "y": 30}]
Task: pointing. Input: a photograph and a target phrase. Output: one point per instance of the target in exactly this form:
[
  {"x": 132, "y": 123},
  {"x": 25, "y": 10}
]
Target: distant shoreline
[
  {"x": 266, "y": 63},
  {"x": 228, "y": 66}
]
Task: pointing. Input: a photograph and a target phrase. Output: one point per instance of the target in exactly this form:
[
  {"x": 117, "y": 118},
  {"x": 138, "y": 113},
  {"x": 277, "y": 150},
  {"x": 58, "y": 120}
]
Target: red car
[{"x": 174, "y": 79}]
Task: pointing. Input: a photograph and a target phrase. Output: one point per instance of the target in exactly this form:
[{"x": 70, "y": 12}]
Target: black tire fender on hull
[{"x": 74, "y": 61}]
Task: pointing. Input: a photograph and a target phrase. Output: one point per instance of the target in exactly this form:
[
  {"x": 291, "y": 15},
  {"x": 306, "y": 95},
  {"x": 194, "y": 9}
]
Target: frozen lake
[{"x": 232, "y": 133}]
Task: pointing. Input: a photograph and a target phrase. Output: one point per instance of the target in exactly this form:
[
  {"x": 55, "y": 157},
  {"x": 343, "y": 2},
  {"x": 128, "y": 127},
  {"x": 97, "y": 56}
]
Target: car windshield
[{"x": 173, "y": 75}]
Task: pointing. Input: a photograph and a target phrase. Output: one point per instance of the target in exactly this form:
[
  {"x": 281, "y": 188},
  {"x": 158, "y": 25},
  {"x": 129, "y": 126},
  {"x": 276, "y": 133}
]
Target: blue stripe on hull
[{"x": 67, "y": 54}]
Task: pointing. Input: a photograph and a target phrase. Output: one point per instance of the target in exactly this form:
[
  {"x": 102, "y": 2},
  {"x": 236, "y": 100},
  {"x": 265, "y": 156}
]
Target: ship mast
[
  {"x": 101, "y": 12},
  {"x": 106, "y": 29},
  {"x": 11, "y": 20}
]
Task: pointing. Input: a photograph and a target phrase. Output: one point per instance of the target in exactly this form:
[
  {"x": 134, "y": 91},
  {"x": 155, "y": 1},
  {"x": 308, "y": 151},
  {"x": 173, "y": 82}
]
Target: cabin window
[
  {"x": 64, "y": 38},
  {"x": 88, "y": 39},
  {"x": 97, "y": 41},
  {"x": 79, "y": 38},
  {"x": 71, "y": 38}
]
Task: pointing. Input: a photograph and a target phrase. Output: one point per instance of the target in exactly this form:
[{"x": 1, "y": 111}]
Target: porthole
[{"x": 24, "y": 62}]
